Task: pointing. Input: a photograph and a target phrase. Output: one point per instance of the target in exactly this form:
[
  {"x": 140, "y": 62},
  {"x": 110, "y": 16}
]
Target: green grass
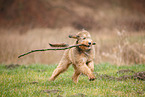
[{"x": 16, "y": 82}]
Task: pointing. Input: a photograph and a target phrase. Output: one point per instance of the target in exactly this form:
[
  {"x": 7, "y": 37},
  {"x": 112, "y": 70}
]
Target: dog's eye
[{"x": 84, "y": 38}]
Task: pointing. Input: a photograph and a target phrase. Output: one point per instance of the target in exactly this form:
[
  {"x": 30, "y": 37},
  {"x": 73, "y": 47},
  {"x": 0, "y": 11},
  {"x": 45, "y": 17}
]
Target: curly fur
[{"x": 80, "y": 57}]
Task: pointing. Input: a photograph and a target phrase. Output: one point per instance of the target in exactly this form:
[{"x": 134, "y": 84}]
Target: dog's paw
[
  {"x": 51, "y": 79},
  {"x": 91, "y": 79}
]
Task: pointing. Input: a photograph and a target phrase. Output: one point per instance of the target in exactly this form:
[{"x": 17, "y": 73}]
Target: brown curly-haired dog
[{"x": 80, "y": 57}]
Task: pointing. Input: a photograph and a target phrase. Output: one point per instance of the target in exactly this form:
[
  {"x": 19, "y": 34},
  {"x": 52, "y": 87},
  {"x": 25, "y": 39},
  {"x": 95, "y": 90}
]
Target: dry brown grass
[
  {"x": 122, "y": 48},
  {"x": 117, "y": 47}
]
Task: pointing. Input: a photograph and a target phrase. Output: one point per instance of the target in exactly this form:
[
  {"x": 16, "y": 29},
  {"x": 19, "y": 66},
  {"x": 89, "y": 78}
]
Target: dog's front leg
[
  {"x": 91, "y": 65},
  {"x": 83, "y": 68},
  {"x": 63, "y": 65}
]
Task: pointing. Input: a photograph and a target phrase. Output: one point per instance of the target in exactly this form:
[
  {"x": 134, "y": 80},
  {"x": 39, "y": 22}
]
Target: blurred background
[{"x": 117, "y": 26}]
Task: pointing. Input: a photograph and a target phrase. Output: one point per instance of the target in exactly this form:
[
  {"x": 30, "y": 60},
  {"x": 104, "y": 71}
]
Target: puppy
[{"x": 80, "y": 57}]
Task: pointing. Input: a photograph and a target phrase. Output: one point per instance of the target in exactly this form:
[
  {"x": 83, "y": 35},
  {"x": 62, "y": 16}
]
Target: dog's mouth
[
  {"x": 86, "y": 45},
  {"x": 89, "y": 46}
]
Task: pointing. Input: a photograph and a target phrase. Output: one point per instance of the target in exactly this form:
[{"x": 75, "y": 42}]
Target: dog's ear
[{"x": 74, "y": 36}]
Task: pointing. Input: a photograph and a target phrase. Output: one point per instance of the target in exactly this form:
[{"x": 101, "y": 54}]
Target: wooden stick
[
  {"x": 62, "y": 48},
  {"x": 74, "y": 36},
  {"x": 62, "y": 44},
  {"x": 58, "y": 44}
]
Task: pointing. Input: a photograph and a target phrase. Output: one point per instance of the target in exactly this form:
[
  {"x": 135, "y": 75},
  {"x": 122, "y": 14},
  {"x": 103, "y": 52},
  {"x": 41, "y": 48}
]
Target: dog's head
[{"x": 83, "y": 37}]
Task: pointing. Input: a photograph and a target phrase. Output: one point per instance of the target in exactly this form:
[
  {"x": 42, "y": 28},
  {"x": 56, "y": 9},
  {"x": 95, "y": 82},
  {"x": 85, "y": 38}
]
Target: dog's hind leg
[
  {"x": 62, "y": 66},
  {"x": 75, "y": 76}
]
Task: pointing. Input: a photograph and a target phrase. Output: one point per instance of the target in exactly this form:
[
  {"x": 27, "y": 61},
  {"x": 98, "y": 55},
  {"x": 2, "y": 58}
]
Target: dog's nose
[{"x": 89, "y": 43}]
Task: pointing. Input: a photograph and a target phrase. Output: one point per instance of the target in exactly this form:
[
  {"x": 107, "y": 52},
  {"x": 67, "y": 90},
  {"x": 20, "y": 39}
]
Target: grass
[{"x": 18, "y": 81}]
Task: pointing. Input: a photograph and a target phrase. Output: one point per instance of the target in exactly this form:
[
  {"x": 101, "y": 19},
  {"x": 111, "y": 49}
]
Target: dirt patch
[
  {"x": 105, "y": 76},
  {"x": 139, "y": 92},
  {"x": 34, "y": 82},
  {"x": 41, "y": 70},
  {"x": 125, "y": 71},
  {"x": 51, "y": 91},
  {"x": 138, "y": 75},
  {"x": 78, "y": 95},
  {"x": 12, "y": 66}
]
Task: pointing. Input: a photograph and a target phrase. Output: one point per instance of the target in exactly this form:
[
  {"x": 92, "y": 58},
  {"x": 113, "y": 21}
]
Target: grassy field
[{"x": 32, "y": 80}]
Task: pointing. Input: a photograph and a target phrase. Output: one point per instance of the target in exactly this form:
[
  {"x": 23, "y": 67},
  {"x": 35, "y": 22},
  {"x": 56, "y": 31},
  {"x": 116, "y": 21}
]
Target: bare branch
[
  {"x": 74, "y": 36},
  {"x": 62, "y": 48},
  {"x": 58, "y": 45},
  {"x": 62, "y": 44}
]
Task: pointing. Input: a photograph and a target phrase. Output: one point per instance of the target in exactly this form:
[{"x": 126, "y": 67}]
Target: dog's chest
[{"x": 84, "y": 56}]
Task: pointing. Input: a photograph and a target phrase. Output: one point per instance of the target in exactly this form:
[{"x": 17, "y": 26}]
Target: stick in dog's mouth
[
  {"x": 66, "y": 45},
  {"x": 54, "y": 45}
]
